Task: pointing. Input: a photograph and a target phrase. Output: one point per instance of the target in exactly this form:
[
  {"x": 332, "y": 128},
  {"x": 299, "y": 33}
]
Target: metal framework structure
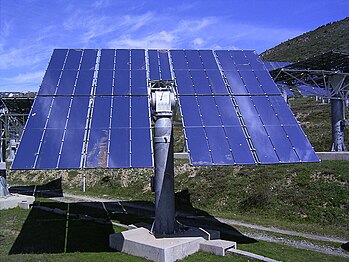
[
  {"x": 14, "y": 111},
  {"x": 328, "y": 75}
]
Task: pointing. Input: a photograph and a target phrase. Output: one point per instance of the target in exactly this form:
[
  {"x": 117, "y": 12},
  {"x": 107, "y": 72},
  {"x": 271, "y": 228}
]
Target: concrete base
[
  {"x": 217, "y": 246},
  {"x": 333, "y": 155},
  {"x": 140, "y": 242},
  {"x": 15, "y": 200}
]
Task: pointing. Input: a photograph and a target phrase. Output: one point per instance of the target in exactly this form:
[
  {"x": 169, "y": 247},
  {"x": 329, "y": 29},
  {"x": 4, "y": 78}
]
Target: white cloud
[
  {"x": 161, "y": 40},
  {"x": 198, "y": 42},
  {"x": 88, "y": 26},
  {"x": 23, "y": 56},
  {"x": 5, "y": 29},
  {"x": 26, "y": 77},
  {"x": 195, "y": 25},
  {"x": 101, "y": 3},
  {"x": 25, "y": 81}
]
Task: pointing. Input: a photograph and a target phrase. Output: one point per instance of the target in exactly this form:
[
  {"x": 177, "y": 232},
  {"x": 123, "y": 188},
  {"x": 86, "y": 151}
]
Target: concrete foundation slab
[
  {"x": 217, "y": 246},
  {"x": 15, "y": 200},
  {"x": 333, "y": 155},
  {"x": 140, "y": 242}
]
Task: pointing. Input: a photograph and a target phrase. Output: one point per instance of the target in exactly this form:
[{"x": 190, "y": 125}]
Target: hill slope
[{"x": 333, "y": 36}]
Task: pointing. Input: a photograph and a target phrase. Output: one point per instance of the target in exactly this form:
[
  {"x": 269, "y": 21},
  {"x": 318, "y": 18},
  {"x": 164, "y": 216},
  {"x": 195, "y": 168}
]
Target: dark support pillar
[
  {"x": 163, "y": 103},
  {"x": 3, "y": 183},
  {"x": 338, "y": 124},
  {"x": 165, "y": 223}
]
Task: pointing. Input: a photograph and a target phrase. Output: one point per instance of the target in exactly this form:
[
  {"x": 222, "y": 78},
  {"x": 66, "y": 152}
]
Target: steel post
[
  {"x": 338, "y": 126},
  {"x": 165, "y": 222},
  {"x": 3, "y": 183}
]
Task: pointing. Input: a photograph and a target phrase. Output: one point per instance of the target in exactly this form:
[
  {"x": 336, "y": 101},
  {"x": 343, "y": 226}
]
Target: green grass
[
  {"x": 315, "y": 119},
  {"x": 305, "y": 197},
  {"x": 14, "y": 222},
  {"x": 286, "y": 253}
]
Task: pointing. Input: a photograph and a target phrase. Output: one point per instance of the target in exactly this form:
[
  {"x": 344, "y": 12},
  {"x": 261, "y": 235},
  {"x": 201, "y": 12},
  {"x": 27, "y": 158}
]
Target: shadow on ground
[
  {"x": 51, "y": 189},
  {"x": 54, "y": 227},
  {"x": 345, "y": 246}
]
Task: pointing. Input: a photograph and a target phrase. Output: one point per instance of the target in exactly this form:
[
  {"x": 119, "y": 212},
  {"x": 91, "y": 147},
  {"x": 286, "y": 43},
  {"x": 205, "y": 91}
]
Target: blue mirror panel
[
  {"x": 184, "y": 82},
  {"x": 140, "y": 112},
  {"x": 179, "y": 60},
  {"x": 39, "y": 112},
  {"x": 239, "y": 57},
  {"x": 261, "y": 142},
  {"x": 101, "y": 112},
  {"x": 106, "y": 61},
  {"x": 164, "y": 65},
  {"x": 120, "y": 151},
  {"x": 105, "y": 82},
  {"x": 121, "y": 112},
  {"x": 139, "y": 84},
  {"x": 251, "y": 83},
  {"x": 154, "y": 72},
  {"x": 73, "y": 59},
  {"x": 72, "y": 149},
  {"x": 78, "y": 113},
  {"x": 209, "y": 111},
  {"x": 265, "y": 110},
  {"x": 301, "y": 144},
  {"x": 97, "y": 148},
  {"x": 282, "y": 110},
  {"x": 259, "y": 137},
  {"x": 122, "y": 82},
  {"x": 50, "y": 149},
  {"x": 201, "y": 83},
  {"x": 59, "y": 112},
  {"x": 255, "y": 125},
  {"x": 198, "y": 148},
  {"x": 190, "y": 111},
  {"x": 89, "y": 59},
  {"x": 194, "y": 60},
  {"x": 248, "y": 111},
  {"x": 254, "y": 60},
  {"x": 284, "y": 148},
  {"x": 27, "y": 150},
  {"x": 268, "y": 84},
  {"x": 138, "y": 59},
  {"x": 50, "y": 82},
  {"x": 57, "y": 59},
  {"x": 220, "y": 149},
  {"x": 239, "y": 146},
  {"x": 227, "y": 111},
  {"x": 123, "y": 60},
  {"x": 66, "y": 85},
  {"x": 208, "y": 60},
  {"x": 216, "y": 82},
  {"x": 225, "y": 60},
  {"x": 237, "y": 86},
  {"x": 141, "y": 148},
  {"x": 84, "y": 82}
]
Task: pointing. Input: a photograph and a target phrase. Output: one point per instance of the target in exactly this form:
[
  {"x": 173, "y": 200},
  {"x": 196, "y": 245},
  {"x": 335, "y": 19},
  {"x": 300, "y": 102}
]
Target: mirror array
[{"x": 92, "y": 110}]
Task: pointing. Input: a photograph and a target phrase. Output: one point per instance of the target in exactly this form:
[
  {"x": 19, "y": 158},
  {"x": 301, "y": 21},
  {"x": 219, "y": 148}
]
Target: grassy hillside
[
  {"x": 333, "y": 36},
  {"x": 315, "y": 119}
]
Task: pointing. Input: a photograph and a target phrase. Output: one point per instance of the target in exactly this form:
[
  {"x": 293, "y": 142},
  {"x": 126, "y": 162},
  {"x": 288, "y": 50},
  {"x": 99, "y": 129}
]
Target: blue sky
[{"x": 31, "y": 29}]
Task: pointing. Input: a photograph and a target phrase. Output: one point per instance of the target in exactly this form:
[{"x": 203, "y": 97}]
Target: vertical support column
[
  {"x": 163, "y": 102},
  {"x": 338, "y": 126},
  {"x": 165, "y": 222},
  {"x": 3, "y": 182}
]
